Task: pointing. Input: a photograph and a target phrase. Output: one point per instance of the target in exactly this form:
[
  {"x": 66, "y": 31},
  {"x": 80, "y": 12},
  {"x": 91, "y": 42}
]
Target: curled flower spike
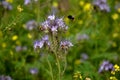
[
  {"x": 65, "y": 44},
  {"x": 30, "y": 25},
  {"x": 106, "y": 66},
  {"x": 102, "y": 5},
  {"x": 53, "y": 24},
  {"x": 42, "y": 42},
  {"x": 33, "y": 71},
  {"x": 26, "y": 2},
  {"x": 6, "y": 5}
]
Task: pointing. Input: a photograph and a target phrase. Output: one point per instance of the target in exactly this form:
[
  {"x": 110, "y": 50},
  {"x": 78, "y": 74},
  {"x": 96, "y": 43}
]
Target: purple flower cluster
[
  {"x": 65, "y": 44},
  {"x": 42, "y": 42},
  {"x": 34, "y": 71},
  {"x": 30, "y": 25},
  {"x": 106, "y": 66},
  {"x": 26, "y": 2},
  {"x": 53, "y": 24},
  {"x": 102, "y": 5},
  {"x": 2, "y": 77},
  {"x": 20, "y": 48},
  {"x": 6, "y": 5}
]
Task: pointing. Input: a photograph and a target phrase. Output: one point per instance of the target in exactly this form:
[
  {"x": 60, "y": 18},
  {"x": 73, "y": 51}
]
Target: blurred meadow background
[{"x": 93, "y": 30}]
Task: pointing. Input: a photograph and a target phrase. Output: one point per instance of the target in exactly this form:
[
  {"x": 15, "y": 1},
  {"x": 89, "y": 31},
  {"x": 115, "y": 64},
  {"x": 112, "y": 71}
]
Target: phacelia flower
[
  {"x": 102, "y": 5},
  {"x": 30, "y": 25},
  {"x": 65, "y": 44},
  {"x": 83, "y": 57},
  {"x": 26, "y": 2},
  {"x": 53, "y": 24},
  {"x": 2, "y": 77},
  {"x": 34, "y": 71},
  {"x": 42, "y": 42},
  {"x": 106, "y": 66},
  {"x": 82, "y": 37},
  {"x": 6, "y": 5},
  {"x": 20, "y": 48}
]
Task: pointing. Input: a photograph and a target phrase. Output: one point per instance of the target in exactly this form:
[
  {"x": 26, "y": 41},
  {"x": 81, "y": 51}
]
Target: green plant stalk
[
  {"x": 51, "y": 71},
  {"x": 57, "y": 59},
  {"x": 65, "y": 66}
]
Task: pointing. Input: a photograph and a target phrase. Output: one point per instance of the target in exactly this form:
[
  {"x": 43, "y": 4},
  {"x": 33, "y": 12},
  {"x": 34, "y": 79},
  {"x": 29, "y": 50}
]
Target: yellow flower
[
  {"x": 115, "y": 35},
  {"x": 81, "y": 3},
  {"x": 87, "y": 7},
  {"x": 113, "y": 78},
  {"x": 11, "y": 52},
  {"x": 80, "y": 22},
  {"x": 18, "y": 42},
  {"x": 115, "y": 16},
  {"x": 116, "y": 67},
  {"x": 87, "y": 78},
  {"x": 55, "y": 4},
  {"x": 19, "y": 8},
  {"x": 10, "y": 1},
  {"x": 29, "y": 35},
  {"x": 118, "y": 10},
  {"x": 15, "y": 37},
  {"x": 114, "y": 44},
  {"x": 113, "y": 72},
  {"x": 77, "y": 62},
  {"x": 3, "y": 45}
]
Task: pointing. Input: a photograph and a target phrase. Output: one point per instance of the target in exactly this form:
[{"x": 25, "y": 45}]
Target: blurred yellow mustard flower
[
  {"x": 87, "y": 78},
  {"x": 18, "y": 42},
  {"x": 11, "y": 52},
  {"x": 77, "y": 62},
  {"x": 115, "y": 35},
  {"x": 114, "y": 44},
  {"x": 15, "y": 37},
  {"x": 87, "y": 7},
  {"x": 113, "y": 72},
  {"x": 55, "y": 4},
  {"x": 19, "y": 8},
  {"x": 66, "y": 20},
  {"x": 113, "y": 78},
  {"x": 115, "y": 16},
  {"x": 3, "y": 45},
  {"x": 116, "y": 67},
  {"x": 80, "y": 22},
  {"x": 29, "y": 35},
  {"x": 81, "y": 3},
  {"x": 10, "y": 1},
  {"x": 77, "y": 75},
  {"x": 118, "y": 10}
]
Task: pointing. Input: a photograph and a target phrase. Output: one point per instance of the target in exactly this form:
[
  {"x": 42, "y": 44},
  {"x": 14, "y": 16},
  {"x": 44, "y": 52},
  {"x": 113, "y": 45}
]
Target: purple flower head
[
  {"x": 106, "y": 66},
  {"x": 20, "y": 48},
  {"x": 53, "y": 24},
  {"x": 84, "y": 57},
  {"x": 65, "y": 44},
  {"x": 2, "y": 77},
  {"x": 82, "y": 37},
  {"x": 38, "y": 44},
  {"x": 30, "y": 25},
  {"x": 26, "y": 2},
  {"x": 6, "y": 5},
  {"x": 102, "y": 5},
  {"x": 34, "y": 71},
  {"x": 51, "y": 17},
  {"x": 42, "y": 42}
]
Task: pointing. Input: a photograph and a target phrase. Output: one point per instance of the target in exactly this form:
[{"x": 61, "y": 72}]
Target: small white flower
[{"x": 51, "y": 17}]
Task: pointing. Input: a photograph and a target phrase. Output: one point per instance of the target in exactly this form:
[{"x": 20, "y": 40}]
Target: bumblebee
[{"x": 71, "y": 17}]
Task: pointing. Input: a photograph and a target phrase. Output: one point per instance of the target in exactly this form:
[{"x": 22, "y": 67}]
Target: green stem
[
  {"x": 65, "y": 66},
  {"x": 56, "y": 56},
  {"x": 51, "y": 71}
]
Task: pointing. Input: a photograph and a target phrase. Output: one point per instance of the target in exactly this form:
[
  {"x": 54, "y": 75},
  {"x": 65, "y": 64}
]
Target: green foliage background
[{"x": 103, "y": 43}]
